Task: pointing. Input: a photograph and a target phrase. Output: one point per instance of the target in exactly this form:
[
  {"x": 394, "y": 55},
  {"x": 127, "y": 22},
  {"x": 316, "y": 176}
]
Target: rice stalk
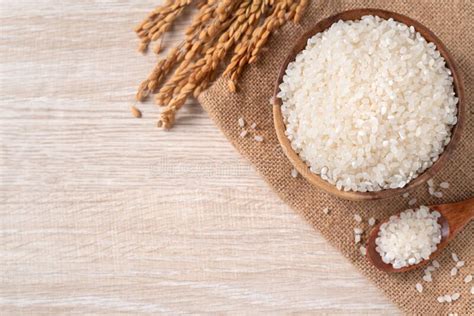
[{"x": 220, "y": 29}]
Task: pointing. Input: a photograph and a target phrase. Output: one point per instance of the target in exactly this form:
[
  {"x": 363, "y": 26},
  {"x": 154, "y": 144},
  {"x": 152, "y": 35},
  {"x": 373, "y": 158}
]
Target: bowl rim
[{"x": 300, "y": 165}]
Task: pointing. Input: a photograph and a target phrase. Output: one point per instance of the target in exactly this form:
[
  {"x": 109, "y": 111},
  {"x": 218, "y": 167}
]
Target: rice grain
[
  {"x": 365, "y": 116},
  {"x": 468, "y": 278},
  {"x": 454, "y": 271},
  {"x": 419, "y": 287},
  {"x": 294, "y": 173},
  {"x": 444, "y": 185}
]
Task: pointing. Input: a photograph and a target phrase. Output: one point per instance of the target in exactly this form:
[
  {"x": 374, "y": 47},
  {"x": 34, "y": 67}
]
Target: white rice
[
  {"x": 455, "y": 296},
  {"x": 371, "y": 101},
  {"x": 409, "y": 238},
  {"x": 357, "y": 238},
  {"x": 358, "y": 231},
  {"x": 371, "y": 221},
  {"x": 454, "y": 271},
  {"x": 444, "y": 185},
  {"x": 419, "y": 287},
  {"x": 438, "y": 194},
  {"x": 447, "y": 298},
  {"x": 431, "y": 190},
  {"x": 455, "y": 257},
  {"x": 294, "y": 173},
  {"x": 468, "y": 278}
]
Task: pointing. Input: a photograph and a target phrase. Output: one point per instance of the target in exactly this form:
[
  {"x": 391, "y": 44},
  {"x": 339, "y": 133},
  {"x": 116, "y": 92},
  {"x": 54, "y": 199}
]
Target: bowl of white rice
[{"x": 368, "y": 104}]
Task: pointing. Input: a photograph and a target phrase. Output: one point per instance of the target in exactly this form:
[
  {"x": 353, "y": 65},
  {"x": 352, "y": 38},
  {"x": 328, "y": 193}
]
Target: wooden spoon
[{"x": 454, "y": 217}]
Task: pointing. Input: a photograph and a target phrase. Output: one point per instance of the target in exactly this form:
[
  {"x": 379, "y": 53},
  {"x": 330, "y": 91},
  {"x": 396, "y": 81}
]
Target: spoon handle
[{"x": 457, "y": 214}]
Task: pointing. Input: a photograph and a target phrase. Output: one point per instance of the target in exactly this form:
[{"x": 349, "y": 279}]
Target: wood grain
[{"x": 104, "y": 213}]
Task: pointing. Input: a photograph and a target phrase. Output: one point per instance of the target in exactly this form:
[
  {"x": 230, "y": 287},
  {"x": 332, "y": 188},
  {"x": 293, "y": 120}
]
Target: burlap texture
[{"x": 452, "y": 22}]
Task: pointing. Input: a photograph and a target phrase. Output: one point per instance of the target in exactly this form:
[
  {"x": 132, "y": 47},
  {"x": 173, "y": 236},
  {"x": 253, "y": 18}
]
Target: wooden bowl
[{"x": 301, "y": 166}]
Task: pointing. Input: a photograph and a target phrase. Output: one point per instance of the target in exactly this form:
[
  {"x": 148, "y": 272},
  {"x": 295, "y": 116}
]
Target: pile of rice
[
  {"x": 368, "y": 104},
  {"x": 409, "y": 238}
]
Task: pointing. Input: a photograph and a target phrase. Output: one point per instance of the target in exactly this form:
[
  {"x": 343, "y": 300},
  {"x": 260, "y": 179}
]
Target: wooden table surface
[{"x": 103, "y": 213}]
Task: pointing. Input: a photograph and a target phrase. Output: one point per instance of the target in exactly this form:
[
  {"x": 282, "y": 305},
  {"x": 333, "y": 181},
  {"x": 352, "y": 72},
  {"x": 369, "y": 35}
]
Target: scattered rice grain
[
  {"x": 444, "y": 185},
  {"x": 357, "y": 218},
  {"x": 241, "y": 122},
  {"x": 454, "y": 271},
  {"x": 358, "y": 231},
  {"x": 455, "y": 257},
  {"x": 436, "y": 264},
  {"x": 294, "y": 173},
  {"x": 468, "y": 278},
  {"x": 447, "y": 298},
  {"x": 371, "y": 221},
  {"x": 243, "y": 133},
  {"x": 258, "y": 138},
  {"x": 135, "y": 112},
  {"x": 455, "y": 296},
  {"x": 412, "y": 201},
  {"x": 438, "y": 194},
  {"x": 460, "y": 264},
  {"x": 419, "y": 287}
]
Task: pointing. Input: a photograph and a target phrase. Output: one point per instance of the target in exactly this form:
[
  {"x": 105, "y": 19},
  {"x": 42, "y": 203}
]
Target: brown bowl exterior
[{"x": 301, "y": 166}]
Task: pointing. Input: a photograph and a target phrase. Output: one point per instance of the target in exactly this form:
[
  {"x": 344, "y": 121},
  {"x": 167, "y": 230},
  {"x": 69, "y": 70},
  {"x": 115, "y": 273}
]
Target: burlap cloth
[{"x": 452, "y": 22}]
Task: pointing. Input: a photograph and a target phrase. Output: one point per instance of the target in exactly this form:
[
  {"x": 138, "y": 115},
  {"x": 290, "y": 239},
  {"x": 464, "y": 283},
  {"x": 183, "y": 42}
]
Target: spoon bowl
[{"x": 454, "y": 217}]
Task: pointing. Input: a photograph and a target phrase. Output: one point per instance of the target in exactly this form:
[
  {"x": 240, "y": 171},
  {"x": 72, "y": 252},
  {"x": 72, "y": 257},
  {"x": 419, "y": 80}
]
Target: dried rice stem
[
  {"x": 159, "y": 21},
  {"x": 241, "y": 27},
  {"x": 300, "y": 10}
]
